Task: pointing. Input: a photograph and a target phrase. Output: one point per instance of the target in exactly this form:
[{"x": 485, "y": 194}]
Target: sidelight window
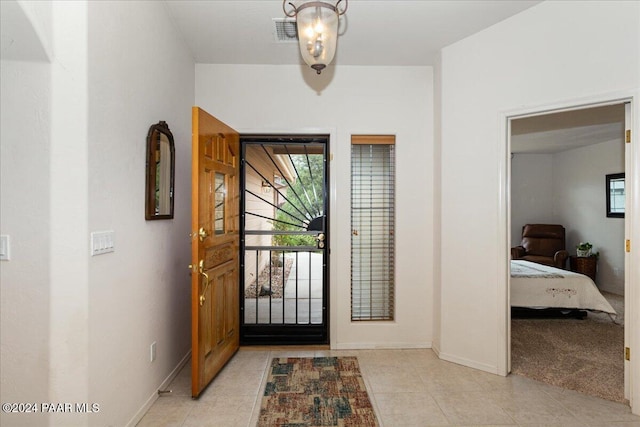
[{"x": 372, "y": 227}]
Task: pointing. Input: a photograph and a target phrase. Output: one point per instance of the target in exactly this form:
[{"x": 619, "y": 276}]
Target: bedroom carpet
[{"x": 581, "y": 355}]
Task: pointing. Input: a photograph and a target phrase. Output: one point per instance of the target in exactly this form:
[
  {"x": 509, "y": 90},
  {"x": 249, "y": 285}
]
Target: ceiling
[
  {"x": 379, "y": 33},
  {"x": 375, "y": 32},
  {"x": 555, "y": 132}
]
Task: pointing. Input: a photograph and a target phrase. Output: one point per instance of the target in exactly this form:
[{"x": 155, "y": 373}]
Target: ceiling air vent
[{"x": 285, "y": 30}]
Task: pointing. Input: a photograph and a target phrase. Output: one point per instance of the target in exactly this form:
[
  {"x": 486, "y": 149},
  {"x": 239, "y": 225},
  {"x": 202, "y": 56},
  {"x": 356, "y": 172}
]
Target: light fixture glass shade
[{"x": 317, "y": 24}]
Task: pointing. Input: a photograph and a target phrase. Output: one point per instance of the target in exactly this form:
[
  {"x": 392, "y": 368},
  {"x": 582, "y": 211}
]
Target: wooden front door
[{"x": 214, "y": 248}]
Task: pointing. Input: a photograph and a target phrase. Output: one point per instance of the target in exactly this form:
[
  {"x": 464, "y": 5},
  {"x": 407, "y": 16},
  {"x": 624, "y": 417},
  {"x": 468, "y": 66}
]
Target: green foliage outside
[{"x": 310, "y": 203}]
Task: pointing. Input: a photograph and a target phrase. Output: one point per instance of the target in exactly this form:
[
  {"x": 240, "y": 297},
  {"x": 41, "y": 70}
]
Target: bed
[{"x": 538, "y": 286}]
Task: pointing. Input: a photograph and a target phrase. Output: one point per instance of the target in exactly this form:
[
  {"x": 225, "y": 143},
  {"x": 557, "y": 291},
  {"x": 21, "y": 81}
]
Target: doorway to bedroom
[{"x": 570, "y": 334}]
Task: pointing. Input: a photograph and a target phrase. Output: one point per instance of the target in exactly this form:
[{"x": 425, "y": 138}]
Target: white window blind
[{"x": 372, "y": 226}]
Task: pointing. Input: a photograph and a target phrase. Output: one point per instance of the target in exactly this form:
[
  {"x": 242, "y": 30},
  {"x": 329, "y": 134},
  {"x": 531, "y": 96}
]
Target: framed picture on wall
[{"x": 615, "y": 195}]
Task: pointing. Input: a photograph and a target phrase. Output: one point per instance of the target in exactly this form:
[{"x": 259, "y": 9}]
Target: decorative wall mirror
[
  {"x": 160, "y": 172},
  {"x": 615, "y": 195}
]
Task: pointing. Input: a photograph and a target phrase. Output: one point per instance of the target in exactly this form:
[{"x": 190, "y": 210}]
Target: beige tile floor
[{"x": 406, "y": 387}]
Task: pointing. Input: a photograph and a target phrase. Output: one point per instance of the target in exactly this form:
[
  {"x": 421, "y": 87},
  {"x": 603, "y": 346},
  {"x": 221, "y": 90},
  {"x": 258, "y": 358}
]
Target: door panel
[{"x": 214, "y": 248}]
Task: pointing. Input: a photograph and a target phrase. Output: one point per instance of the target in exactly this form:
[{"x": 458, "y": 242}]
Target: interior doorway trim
[{"x": 632, "y": 228}]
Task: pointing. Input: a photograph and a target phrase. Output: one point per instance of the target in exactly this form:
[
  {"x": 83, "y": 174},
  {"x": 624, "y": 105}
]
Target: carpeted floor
[
  {"x": 582, "y": 355},
  {"x": 316, "y": 391}
]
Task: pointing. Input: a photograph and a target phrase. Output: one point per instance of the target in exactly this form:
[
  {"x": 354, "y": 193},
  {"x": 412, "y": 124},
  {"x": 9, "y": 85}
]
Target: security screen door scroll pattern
[{"x": 284, "y": 240}]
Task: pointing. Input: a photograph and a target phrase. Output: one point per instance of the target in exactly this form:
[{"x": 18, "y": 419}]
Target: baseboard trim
[
  {"x": 436, "y": 350},
  {"x": 154, "y": 396},
  {"x": 467, "y": 362},
  {"x": 380, "y": 346}
]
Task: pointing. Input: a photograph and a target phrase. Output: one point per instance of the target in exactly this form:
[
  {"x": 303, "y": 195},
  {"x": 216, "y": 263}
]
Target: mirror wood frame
[{"x": 154, "y": 138}]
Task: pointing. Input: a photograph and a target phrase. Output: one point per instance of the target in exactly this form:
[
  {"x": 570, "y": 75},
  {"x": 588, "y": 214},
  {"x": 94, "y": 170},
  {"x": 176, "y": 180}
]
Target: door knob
[{"x": 202, "y": 233}]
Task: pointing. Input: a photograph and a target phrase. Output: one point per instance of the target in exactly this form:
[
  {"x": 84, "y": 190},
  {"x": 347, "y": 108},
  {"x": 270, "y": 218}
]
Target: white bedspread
[{"x": 541, "y": 286}]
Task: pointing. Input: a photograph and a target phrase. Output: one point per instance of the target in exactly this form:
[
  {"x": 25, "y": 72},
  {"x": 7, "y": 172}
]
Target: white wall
[
  {"x": 358, "y": 100},
  {"x": 532, "y": 195},
  {"x": 77, "y": 328},
  {"x": 26, "y": 30},
  {"x": 579, "y": 177},
  {"x": 43, "y": 200},
  {"x": 139, "y": 73},
  {"x": 437, "y": 201},
  {"x": 24, "y": 216},
  {"x": 511, "y": 66},
  {"x": 69, "y": 248}
]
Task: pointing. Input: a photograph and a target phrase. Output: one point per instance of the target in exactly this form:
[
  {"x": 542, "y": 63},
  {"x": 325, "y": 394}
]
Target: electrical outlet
[{"x": 152, "y": 351}]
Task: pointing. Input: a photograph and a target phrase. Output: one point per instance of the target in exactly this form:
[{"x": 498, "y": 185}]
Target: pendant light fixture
[{"x": 317, "y": 24}]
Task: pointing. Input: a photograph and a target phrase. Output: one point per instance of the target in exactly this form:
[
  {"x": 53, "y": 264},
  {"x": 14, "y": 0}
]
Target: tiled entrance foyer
[{"x": 406, "y": 387}]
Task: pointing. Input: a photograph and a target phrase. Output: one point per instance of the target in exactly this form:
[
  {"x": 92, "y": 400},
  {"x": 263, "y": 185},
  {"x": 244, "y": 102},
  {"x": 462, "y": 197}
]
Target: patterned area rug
[{"x": 316, "y": 391}]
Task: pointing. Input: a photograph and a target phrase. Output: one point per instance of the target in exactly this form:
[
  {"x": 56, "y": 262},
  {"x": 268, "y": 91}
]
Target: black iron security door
[{"x": 284, "y": 240}]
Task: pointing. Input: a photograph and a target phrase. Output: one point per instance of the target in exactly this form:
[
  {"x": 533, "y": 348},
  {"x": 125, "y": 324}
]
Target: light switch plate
[
  {"x": 5, "y": 248},
  {"x": 103, "y": 242}
]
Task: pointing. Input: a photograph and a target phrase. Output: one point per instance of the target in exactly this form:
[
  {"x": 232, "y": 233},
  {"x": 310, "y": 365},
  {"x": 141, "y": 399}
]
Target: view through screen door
[{"x": 284, "y": 240}]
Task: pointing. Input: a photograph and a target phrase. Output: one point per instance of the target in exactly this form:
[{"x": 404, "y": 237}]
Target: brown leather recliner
[{"x": 542, "y": 243}]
